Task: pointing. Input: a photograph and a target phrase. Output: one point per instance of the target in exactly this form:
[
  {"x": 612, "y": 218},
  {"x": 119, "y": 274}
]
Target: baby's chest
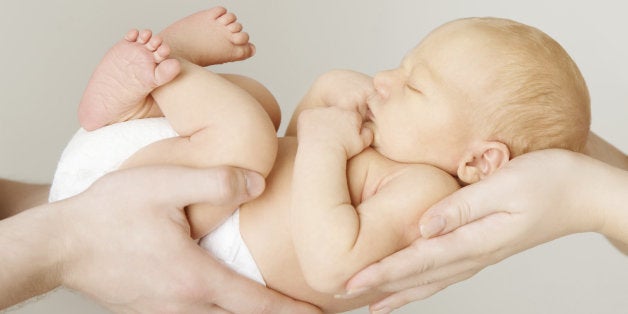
[{"x": 367, "y": 173}]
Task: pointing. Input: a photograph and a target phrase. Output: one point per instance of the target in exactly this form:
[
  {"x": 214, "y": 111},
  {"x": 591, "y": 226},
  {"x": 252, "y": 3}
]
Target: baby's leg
[
  {"x": 260, "y": 93},
  {"x": 208, "y": 37},
  {"x": 212, "y": 37},
  {"x": 219, "y": 123},
  {"x": 120, "y": 87}
]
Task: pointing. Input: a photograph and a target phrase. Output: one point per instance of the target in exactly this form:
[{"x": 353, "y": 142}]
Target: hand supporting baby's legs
[
  {"x": 219, "y": 118},
  {"x": 219, "y": 124},
  {"x": 120, "y": 87}
]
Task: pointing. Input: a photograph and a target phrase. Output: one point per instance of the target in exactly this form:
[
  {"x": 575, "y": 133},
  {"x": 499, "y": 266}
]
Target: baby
[{"x": 372, "y": 153}]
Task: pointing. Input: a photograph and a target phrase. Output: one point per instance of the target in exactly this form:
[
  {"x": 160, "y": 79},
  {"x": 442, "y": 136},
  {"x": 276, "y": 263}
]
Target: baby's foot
[
  {"x": 209, "y": 37},
  {"x": 120, "y": 87}
]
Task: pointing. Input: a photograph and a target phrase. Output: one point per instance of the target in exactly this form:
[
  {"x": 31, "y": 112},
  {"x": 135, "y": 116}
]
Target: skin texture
[
  {"x": 124, "y": 87},
  {"x": 48, "y": 251},
  {"x": 533, "y": 199}
]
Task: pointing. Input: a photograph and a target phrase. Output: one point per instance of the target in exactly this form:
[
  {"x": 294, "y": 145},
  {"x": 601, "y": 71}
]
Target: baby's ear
[{"x": 482, "y": 160}]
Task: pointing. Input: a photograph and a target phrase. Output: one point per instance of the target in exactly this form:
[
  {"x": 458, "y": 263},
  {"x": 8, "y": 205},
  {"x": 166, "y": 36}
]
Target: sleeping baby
[{"x": 363, "y": 157}]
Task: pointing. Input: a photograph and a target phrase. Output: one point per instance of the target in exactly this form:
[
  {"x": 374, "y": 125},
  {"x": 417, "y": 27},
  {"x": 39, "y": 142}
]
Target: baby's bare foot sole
[
  {"x": 120, "y": 87},
  {"x": 209, "y": 37}
]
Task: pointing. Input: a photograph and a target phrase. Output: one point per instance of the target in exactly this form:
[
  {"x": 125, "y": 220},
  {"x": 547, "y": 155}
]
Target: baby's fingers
[{"x": 366, "y": 135}]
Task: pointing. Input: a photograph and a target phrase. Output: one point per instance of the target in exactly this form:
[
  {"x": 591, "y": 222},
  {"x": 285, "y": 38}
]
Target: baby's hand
[
  {"x": 346, "y": 89},
  {"x": 334, "y": 128}
]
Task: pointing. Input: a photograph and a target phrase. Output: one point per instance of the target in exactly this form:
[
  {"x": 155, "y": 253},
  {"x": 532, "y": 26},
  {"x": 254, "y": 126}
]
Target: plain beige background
[{"x": 49, "y": 48}]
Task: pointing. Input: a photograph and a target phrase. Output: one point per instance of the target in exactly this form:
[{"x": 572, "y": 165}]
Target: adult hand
[
  {"x": 533, "y": 199},
  {"x": 126, "y": 243},
  {"x": 132, "y": 249}
]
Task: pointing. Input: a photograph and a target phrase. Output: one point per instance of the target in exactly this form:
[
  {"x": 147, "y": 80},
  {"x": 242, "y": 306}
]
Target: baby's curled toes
[
  {"x": 226, "y": 18},
  {"x": 240, "y": 38},
  {"x": 235, "y": 27}
]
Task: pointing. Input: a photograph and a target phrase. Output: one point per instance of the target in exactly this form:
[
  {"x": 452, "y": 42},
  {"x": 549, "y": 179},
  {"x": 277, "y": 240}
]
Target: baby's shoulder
[{"x": 378, "y": 172}]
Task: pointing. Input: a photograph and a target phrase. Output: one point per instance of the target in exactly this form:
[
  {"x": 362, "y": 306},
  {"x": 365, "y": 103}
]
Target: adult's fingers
[
  {"x": 393, "y": 268},
  {"x": 407, "y": 268},
  {"x": 181, "y": 186},
  {"x": 403, "y": 297},
  {"x": 460, "y": 208},
  {"x": 237, "y": 294},
  {"x": 426, "y": 261}
]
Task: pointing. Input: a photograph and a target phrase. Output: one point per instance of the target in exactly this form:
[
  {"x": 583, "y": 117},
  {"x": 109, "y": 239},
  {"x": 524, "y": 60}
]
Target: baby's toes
[
  {"x": 161, "y": 53},
  {"x": 132, "y": 35},
  {"x": 242, "y": 52},
  {"x": 227, "y": 18},
  {"x": 144, "y": 36},
  {"x": 235, "y": 27},
  {"x": 240, "y": 38},
  {"x": 215, "y": 12},
  {"x": 167, "y": 71},
  {"x": 154, "y": 43}
]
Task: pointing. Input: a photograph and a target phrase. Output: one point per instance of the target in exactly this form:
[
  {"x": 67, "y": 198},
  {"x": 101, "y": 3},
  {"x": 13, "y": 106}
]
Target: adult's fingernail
[
  {"x": 433, "y": 226},
  {"x": 255, "y": 183}
]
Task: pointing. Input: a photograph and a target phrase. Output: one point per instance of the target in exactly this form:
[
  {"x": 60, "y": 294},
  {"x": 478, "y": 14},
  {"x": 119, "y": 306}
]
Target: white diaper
[
  {"x": 90, "y": 155},
  {"x": 226, "y": 244}
]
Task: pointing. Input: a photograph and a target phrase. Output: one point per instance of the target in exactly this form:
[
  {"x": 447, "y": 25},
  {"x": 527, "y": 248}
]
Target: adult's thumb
[
  {"x": 182, "y": 186},
  {"x": 223, "y": 185}
]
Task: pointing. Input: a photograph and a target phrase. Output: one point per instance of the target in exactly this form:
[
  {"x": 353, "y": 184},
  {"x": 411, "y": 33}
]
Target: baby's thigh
[{"x": 260, "y": 93}]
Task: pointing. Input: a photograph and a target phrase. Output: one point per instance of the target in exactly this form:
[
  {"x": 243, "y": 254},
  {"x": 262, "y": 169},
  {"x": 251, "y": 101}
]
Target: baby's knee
[{"x": 260, "y": 93}]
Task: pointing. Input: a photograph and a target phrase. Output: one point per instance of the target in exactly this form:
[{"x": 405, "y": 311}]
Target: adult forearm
[
  {"x": 17, "y": 196},
  {"x": 602, "y": 150},
  {"x": 615, "y": 206},
  {"x": 31, "y": 246}
]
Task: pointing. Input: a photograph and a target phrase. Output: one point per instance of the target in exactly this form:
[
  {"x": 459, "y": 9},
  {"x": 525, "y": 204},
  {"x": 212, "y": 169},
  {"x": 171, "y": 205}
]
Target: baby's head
[{"x": 477, "y": 92}]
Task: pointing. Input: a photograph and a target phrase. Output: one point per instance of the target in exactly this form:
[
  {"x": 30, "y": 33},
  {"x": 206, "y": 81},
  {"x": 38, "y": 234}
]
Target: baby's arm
[
  {"x": 334, "y": 238},
  {"x": 341, "y": 88}
]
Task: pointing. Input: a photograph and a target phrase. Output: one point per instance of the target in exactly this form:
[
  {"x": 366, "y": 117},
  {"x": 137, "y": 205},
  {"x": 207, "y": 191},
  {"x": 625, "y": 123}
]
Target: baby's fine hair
[{"x": 540, "y": 99}]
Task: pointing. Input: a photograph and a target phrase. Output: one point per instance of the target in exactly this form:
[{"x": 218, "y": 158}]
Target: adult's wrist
[
  {"x": 32, "y": 242},
  {"x": 614, "y": 203},
  {"x": 17, "y": 196}
]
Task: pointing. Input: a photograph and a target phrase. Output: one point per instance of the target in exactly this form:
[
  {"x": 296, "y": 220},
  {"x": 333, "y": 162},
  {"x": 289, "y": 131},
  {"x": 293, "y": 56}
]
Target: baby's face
[{"x": 421, "y": 110}]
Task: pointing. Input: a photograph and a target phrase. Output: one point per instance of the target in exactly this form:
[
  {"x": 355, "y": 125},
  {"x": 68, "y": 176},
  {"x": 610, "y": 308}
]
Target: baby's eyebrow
[{"x": 420, "y": 73}]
